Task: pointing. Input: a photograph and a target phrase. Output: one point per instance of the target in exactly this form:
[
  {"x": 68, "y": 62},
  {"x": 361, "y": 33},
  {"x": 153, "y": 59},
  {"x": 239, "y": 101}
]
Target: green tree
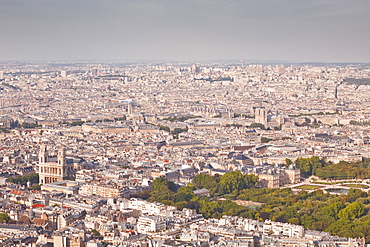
[
  {"x": 29, "y": 125},
  {"x": 95, "y": 232},
  {"x": 185, "y": 194},
  {"x": 204, "y": 181},
  {"x": 36, "y": 187},
  {"x": 352, "y": 211},
  {"x": 265, "y": 139},
  {"x": 354, "y": 194},
  {"x": 163, "y": 190},
  {"x": 177, "y": 131},
  {"x": 250, "y": 181},
  {"x": 308, "y": 166},
  {"x": 162, "y": 183},
  {"x": 307, "y": 220},
  {"x": 288, "y": 162},
  {"x": 235, "y": 180},
  {"x": 4, "y": 217},
  {"x": 231, "y": 181},
  {"x": 33, "y": 178},
  {"x": 333, "y": 209},
  {"x": 165, "y": 128},
  {"x": 208, "y": 208},
  {"x": 257, "y": 125}
]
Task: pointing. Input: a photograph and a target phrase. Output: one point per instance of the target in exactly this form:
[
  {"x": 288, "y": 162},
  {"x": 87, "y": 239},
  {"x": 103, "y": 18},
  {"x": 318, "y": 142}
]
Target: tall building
[
  {"x": 195, "y": 68},
  {"x": 1, "y": 75},
  {"x": 260, "y": 115},
  {"x": 129, "y": 109},
  {"x": 53, "y": 170}
]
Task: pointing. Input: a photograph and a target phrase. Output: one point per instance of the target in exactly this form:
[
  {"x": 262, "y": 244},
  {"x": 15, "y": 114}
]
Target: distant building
[
  {"x": 6, "y": 122},
  {"x": 106, "y": 128},
  {"x": 103, "y": 190},
  {"x": 65, "y": 186},
  {"x": 195, "y": 68},
  {"x": 201, "y": 192},
  {"x": 274, "y": 176},
  {"x": 53, "y": 171},
  {"x": 147, "y": 224},
  {"x": 261, "y": 116}
]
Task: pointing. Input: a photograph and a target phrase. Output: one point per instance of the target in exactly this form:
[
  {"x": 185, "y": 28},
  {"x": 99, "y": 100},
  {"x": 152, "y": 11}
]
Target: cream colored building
[
  {"x": 102, "y": 190},
  {"x": 51, "y": 170},
  {"x": 148, "y": 224}
]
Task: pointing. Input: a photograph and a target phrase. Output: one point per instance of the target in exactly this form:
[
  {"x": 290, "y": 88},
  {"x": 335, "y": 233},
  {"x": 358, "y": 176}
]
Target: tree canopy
[
  {"x": 344, "y": 215},
  {"x": 328, "y": 170}
]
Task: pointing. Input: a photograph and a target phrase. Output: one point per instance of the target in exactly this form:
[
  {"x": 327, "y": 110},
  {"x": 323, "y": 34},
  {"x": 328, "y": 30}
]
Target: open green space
[
  {"x": 347, "y": 182},
  {"x": 356, "y": 186},
  {"x": 308, "y": 187},
  {"x": 327, "y": 183}
]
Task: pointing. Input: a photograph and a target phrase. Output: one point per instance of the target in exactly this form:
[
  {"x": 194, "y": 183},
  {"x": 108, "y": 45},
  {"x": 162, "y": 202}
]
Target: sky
[{"x": 186, "y": 30}]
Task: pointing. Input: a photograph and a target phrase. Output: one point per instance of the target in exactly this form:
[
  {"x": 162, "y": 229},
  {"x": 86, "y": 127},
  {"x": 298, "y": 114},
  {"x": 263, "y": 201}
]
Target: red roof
[{"x": 16, "y": 192}]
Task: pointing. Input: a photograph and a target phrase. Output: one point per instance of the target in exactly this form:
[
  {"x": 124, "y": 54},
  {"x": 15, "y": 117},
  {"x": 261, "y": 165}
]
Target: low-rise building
[{"x": 150, "y": 224}]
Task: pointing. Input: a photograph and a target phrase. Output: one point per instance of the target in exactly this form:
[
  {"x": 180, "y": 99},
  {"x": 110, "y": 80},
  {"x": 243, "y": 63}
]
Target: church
[
  {"x": 268, "y": 120},
  {"x": 54, "y": 169}
]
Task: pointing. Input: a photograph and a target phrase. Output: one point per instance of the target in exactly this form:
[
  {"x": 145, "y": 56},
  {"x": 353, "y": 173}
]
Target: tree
[
  {"x": 33, "y": 178},
  {"x": 29, "y": 125},
  {"x": 294, "y": 221},
  {"x": 36, "y": 187},
  {"x": 163, "y": 191},
  {"x": 160, "y": 184},
  {"x": 177, "y": 131},
  {"x": 354, "y": 194},
  {"x": 265, "y": 139},
  {"x": 309, "y": 166},
  {"x": 204, "y": 181},
  {"x": 235, "y": 180},
  {"x": 231, "y": 181},
  {"x": 95, "y": 233},
  {"x": 257, "y": 125},
  {"x": 352, "y": 211},
  {"x": 207, "y": 208},
  {"x": 165, "y": 128},
  {"x": 333, "y": 209},
  {"x": 250, "y": 181},
  {"x": 4, "y": 217},
  {"x": 185, "y": 194},
  {"x": 307, "y": 220},
  {"x": 288, "y": 162}
]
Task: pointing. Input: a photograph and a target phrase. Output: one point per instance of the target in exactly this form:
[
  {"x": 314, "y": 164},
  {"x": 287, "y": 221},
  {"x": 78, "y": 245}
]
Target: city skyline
[
  {"x": 151, "y": 154},
  {"x": 283, "y": 30}
]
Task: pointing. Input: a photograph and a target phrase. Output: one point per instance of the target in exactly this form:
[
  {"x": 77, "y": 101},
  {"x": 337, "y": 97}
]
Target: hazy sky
[{"x": 288, "y": 30}]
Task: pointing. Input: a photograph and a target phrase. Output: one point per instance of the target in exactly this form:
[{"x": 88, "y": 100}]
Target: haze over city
[
  {"x": 208, "y": 123},
  {"x": 282, "y": 30}
]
